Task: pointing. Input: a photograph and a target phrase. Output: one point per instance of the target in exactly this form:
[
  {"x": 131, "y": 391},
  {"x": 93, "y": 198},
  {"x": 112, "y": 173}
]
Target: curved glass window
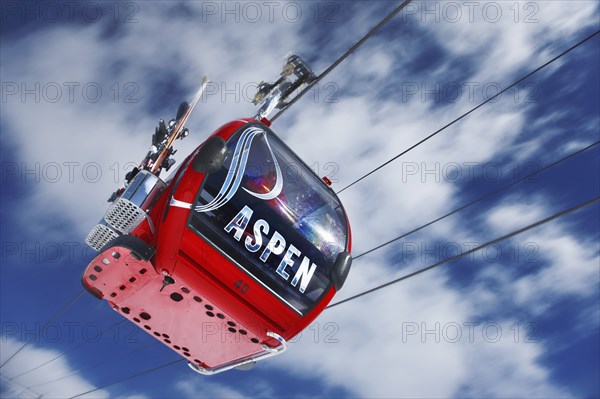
[{"x": 269, "y": 213}]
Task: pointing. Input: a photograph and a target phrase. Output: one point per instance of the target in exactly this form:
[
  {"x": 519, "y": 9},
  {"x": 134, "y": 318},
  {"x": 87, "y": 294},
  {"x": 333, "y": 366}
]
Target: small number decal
[{"x": 241, "y": 286}]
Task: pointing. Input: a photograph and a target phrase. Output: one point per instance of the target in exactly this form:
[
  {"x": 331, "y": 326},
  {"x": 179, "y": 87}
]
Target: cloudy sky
[{"x": 84, "y": 83}]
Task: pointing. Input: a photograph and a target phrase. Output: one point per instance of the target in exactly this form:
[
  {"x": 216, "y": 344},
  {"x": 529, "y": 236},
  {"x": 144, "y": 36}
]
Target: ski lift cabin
[{"x": 238, "y": 252}]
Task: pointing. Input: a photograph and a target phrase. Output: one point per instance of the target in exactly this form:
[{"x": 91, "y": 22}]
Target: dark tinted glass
[{"x": 268, "y": 212}]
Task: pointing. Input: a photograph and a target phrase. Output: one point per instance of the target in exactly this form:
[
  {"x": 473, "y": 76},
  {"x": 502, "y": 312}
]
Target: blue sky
[{"x": 518, "y": 320}]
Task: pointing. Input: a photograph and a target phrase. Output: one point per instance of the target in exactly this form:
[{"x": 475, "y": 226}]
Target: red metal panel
[{"x": 181, "y": 317}]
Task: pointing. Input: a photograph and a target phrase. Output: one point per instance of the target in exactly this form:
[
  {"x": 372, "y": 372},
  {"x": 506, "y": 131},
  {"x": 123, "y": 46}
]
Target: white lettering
[
  {"x": 276, "y": 245},
  {"x": 260, "y": 225},
  {"x": 304, "y": 274},
  {"x": 239, "y": 222},
  {"x": 287, "y": 261}
]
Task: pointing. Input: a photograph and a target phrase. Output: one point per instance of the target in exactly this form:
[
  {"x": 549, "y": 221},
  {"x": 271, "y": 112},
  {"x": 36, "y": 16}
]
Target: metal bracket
[{"x": 276, "y": 95}]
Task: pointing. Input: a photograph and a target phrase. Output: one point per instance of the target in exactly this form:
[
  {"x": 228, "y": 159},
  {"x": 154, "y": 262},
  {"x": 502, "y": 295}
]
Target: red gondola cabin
[{"x": 239, "y": 251}]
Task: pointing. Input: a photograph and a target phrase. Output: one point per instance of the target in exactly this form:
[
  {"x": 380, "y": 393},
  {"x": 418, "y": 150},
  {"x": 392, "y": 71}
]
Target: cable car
[{"x": 233, "y": 255}]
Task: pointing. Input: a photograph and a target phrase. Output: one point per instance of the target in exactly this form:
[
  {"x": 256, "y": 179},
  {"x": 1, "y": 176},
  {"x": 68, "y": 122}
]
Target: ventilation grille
[
  {"x": 100, "y": 236},
  {"x": 124, "y": 215}
]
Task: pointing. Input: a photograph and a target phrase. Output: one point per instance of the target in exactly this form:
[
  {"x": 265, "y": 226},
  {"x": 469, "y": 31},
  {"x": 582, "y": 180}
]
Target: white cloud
[
  {"x": 515, "y": 213},
  {"x": 509, "y": 34},
  {"x": 372, "y": 360},
  {"x": 204, "y": 388},
  {"x": 33, "y": 355},
  {"x": 509, "y": 368},
  {"x": 570, "y": 265},
  {"x": 420, "y": 338}
]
